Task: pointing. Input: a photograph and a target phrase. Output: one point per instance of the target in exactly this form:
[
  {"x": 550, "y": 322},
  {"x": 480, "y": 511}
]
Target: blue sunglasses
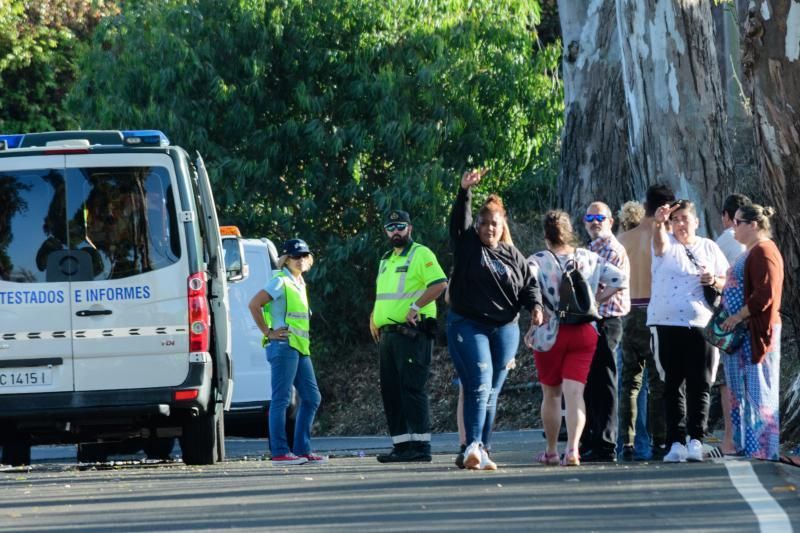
[
  {"x": 592, "y": 218},
  {"x": 395, "y": 226}
]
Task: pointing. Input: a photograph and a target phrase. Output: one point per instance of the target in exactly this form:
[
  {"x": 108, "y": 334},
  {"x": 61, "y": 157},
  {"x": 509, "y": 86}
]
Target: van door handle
[{"x": 92, "y": 312}]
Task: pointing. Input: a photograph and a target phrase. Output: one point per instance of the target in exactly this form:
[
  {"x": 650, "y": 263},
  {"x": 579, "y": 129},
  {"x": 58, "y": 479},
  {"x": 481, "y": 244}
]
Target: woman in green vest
[{"x": 281, "y": 312}]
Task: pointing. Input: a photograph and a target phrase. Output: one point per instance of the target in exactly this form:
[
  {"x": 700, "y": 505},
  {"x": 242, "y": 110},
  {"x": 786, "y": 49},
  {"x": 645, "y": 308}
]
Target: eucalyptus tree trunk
[
  {"x": 771, "y": 67},
  {"x": 594, "y": 161},
  {"x": 676, "y": 112},
  {"x": 771, "y": 72}
]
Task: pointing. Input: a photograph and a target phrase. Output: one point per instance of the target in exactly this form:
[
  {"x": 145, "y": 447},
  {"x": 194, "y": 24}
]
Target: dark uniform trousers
[
  {"x": 404, "y": 367},
  {"x": 600, "y": 393}
]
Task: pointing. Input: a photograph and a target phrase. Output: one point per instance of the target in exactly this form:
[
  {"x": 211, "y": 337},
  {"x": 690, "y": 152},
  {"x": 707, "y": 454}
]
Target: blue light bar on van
[
  {"x": 144, "y": 138},
  {"x": 10, "y": 141}
]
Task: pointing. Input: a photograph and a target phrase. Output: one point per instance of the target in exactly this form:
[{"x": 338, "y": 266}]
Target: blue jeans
[
  {"x": 290, "y": 368},
  {"x": 480, "y": 354}
]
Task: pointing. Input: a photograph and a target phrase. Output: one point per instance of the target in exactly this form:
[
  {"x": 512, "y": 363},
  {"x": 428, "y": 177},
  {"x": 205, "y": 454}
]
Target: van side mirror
[{"x": 236, "y": 269}]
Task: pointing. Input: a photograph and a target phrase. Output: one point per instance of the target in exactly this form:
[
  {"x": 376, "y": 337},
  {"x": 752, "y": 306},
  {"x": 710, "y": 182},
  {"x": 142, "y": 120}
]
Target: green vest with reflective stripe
[
  {"x": 395, "y": 293},
  {"x": 297, "y": 315}
]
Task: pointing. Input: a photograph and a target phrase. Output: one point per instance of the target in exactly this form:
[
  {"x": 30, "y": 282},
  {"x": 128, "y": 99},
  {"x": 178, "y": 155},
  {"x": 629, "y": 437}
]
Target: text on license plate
[{"x": 26, "y": 377}]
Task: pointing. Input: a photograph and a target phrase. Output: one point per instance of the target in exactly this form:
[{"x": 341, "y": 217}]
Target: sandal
[
  {"x": 549, "y": 459},
  {"x": 571, "y": 458}
]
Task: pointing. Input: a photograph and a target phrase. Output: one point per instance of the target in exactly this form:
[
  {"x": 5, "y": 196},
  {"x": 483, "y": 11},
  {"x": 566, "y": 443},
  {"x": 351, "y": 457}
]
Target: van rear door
[
  {"x": 130, "y": 313},
  {"x": 217, "y": 285},
  {"x": 35, "y": 344}
]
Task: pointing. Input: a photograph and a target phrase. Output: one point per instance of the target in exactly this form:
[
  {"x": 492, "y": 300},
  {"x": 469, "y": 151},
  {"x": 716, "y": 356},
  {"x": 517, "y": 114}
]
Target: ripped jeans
[{"x": 481, "y": 354}]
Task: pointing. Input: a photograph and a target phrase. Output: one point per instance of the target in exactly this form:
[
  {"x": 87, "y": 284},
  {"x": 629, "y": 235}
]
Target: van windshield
[{"x": 122, "y": 218}]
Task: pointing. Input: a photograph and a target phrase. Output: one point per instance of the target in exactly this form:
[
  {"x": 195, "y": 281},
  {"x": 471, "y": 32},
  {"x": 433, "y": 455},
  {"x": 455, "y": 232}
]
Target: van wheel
[
  {"x": 200, "y": 442},
  {"x": 17, "y": 453},
  {"x": 93, "y": 452},
  {"x": 159, "y": 448}
]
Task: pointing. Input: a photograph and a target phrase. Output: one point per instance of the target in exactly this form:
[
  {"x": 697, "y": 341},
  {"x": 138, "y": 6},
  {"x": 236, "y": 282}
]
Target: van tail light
[
  {"x": 199, "y": 316},
  {"x": 184, "y": 395}
]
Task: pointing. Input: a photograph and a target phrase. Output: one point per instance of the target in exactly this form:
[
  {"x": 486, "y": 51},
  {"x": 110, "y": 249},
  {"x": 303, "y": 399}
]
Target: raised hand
[{"x": 470, "y": 178}]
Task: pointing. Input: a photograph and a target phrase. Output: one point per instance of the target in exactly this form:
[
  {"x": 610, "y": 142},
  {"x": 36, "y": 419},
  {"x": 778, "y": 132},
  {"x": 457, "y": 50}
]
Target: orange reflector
[
  {"x": 229, "y": 230},
  {"x": 182, "y": 395}
]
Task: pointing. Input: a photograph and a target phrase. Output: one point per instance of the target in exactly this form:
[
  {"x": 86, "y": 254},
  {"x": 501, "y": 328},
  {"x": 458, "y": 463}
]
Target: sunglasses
[
  {"x": 299, "y": 256},
  {"x": 395, "y": 226},
  {"x": 593, "y": 218},
  {"x": 737, "y": 221}
]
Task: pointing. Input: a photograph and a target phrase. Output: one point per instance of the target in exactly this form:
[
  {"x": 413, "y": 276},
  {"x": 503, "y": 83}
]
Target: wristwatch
[{"x": 415, "y": 307}]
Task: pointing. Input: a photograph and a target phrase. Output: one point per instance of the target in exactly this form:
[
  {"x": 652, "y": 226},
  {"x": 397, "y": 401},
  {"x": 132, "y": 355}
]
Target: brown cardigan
[{"x": 763, "y": 288}]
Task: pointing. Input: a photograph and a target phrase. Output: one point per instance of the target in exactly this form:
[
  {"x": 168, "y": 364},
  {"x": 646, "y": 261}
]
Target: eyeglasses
[
  {"x": 299, "y": 256},
  {"x": 737, "y": 221},
  {"x": 395, "y": 226},
  {"x": 592, "y": 218}
]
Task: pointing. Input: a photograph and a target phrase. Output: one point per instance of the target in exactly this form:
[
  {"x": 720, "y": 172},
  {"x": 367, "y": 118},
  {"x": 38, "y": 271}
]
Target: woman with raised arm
[{"x": 491, "y": 282}]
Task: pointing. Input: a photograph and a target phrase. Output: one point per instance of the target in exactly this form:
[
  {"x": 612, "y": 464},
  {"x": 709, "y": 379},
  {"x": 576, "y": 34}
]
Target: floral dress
[{"x": 753, "y": 388}]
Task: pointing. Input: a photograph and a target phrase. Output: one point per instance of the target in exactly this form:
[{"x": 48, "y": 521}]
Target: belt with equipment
[{"x": 401, "y": 329}]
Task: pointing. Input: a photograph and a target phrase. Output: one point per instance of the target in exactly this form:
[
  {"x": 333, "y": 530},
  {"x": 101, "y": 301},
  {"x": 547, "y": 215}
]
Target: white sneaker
[
  {"x": 486, "y": 462},
  {"x": 677, "y": 453},
  {"x": 472, "y": 456},
  {"x": 694, "y": 451}
]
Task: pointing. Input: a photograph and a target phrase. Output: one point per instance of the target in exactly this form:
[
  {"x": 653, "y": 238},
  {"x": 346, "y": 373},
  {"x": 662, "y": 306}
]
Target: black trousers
[
  {"x": 686, "y": 358},
  {"x": 404, "y": 367},
  {"x": 600, "y": 393}
]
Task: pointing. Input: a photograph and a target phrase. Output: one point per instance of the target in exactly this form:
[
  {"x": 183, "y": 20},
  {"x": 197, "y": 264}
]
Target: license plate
[{"x": 26, "y": 377}]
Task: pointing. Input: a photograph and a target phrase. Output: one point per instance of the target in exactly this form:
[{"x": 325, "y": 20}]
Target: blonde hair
[
  {"x": 494, "y": 204},
  {"x": 282, "y": 261},
  {"x": 630, "y": 215}
]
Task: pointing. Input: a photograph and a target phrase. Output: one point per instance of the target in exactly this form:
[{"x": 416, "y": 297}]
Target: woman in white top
[
  {"x": 563, "y": 352},
  {"x": 683, "y": 263}
]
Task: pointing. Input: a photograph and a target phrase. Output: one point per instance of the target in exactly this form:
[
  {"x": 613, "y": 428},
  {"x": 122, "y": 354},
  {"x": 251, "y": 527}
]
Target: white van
[
  {"x": 113, "y": 303},
  {"x": 251, "y": 372}
]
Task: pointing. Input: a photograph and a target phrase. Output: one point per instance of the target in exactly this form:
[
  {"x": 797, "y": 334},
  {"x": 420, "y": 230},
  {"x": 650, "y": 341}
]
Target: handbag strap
[{"x": 692, "y": 258}]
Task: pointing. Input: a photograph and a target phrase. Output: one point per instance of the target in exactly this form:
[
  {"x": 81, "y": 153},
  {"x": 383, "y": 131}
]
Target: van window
[
  {"x": 33, "y": 222},
  {"x": 124, "y": 217}
]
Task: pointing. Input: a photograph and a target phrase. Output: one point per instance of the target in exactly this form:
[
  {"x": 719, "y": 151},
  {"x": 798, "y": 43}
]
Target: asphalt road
[{"x": 355, "y": 492}]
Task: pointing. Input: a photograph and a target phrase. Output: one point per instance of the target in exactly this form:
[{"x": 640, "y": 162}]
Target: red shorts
[{"x": 570, "y": 357}]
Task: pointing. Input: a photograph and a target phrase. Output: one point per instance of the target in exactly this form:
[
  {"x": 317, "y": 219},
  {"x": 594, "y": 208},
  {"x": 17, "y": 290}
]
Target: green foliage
[
  {"x": 39, "y": 42},
  {"x": 316, "y": 118}
]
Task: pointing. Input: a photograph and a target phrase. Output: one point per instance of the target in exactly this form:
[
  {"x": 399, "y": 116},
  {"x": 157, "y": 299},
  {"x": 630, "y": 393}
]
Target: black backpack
[{"x": 576, "y": 302}]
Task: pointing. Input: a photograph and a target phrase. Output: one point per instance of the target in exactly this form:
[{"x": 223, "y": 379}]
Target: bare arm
[
  {"x": 430, "y": 294},
  {"x": 660, "y": 236},
  {"x": 256, "y": 305}
]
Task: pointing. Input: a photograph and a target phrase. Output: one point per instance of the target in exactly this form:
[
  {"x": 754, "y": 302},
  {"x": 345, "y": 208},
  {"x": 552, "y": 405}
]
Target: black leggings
[{"x": 687, "y": 360}]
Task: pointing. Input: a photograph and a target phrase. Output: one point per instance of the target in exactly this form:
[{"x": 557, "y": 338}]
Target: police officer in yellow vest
[
  {"x": 281, "y": 312},
  {"x": 403, "y": 323}
]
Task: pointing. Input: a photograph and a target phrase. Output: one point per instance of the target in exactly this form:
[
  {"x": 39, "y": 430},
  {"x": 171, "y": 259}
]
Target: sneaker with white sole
[
  {"x": 486, "y": 462},
  {"x": 694, "y": 451},
  {"x": 677, "y": 453},
  {"x": 313, "y": 458},
  {"x": 472, "y": 456},
  {"x": 288, "y": 459}
]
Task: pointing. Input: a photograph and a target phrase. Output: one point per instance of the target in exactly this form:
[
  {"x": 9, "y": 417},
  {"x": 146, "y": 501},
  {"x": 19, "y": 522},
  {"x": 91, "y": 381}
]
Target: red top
[{"x": 763, "y": 288}]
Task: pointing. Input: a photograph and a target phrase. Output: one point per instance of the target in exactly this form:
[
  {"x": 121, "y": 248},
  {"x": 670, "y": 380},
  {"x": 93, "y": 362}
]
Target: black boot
[
  {"x": 397, "y": 455},
  {"x": 419, "y": 452}
]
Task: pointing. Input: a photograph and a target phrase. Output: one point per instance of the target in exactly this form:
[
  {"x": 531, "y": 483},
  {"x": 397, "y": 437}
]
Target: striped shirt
[{"x": 611, "y": 250}]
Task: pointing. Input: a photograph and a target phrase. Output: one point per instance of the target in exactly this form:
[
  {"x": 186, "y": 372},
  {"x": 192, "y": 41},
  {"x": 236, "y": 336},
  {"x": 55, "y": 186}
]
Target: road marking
[{"x": 771, "y": 516}]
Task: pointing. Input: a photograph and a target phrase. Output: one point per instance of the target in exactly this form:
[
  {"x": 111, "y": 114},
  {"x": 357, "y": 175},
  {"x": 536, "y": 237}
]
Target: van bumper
[{"x": 23, "y": 412}]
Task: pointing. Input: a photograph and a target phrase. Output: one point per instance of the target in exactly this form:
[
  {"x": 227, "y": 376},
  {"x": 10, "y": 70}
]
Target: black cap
[
  {"x": 295, "y": 247},
  {"x": 398, "y": 215}
]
